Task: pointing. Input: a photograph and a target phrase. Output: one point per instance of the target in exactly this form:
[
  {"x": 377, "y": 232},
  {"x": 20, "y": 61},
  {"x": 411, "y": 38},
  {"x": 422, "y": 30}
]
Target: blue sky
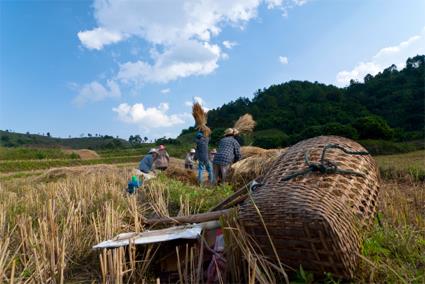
[{"x": 134, "y": 67}]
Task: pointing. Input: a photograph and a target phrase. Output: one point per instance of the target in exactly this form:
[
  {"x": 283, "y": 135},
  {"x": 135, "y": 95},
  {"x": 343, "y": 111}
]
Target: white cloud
[
  {"x": 384, "y": 58},
  {"x": 165, "y": 91},
  {"x": 229, "y": 44},
  {"x": 300, "y": 2},
  {"x": 166, "y": 22},
  {"x": 283, "y": 59},
  {"x": 182, "y": 60},
  {"x": 98, "y": 37},
  {"x": 273, "y": 3},
  {"x": 95, "y": 91},
  {"x": 149, "y": 117},
  {"x": 180, "y": 33}
]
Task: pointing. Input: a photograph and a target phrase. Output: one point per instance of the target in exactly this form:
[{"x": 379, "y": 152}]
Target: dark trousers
[{"x": 220, "y": 173}]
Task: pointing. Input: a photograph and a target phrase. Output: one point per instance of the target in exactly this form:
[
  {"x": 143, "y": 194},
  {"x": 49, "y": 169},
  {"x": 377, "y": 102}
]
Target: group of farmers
[
  {"x": 157, "y": 158},
  {"x": 215, "y": 163}
]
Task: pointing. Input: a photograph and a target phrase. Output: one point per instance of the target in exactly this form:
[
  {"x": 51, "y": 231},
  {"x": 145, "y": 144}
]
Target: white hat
[
  {"x": 153, "y": 150},
  {"x": 192, "y": 150}
]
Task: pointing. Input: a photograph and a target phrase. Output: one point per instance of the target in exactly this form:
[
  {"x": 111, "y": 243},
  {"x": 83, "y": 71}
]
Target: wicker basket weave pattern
[{"x": 313, "y": 218}]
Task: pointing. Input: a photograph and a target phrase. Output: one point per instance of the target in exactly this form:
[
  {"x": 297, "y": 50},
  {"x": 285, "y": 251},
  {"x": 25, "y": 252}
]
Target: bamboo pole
[{"x": 195, "y": 218}]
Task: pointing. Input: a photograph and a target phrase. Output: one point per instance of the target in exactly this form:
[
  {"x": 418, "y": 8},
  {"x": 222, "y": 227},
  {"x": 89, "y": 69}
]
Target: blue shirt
[
  {"x": 202, "y": 149},
  {"x": 146, "y": 163},
  {"x": 229, "y": 151}
]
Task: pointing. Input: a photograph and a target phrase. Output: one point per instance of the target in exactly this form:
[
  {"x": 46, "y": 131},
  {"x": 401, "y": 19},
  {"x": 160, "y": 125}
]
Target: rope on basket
[{"x": 325, "y": 166}]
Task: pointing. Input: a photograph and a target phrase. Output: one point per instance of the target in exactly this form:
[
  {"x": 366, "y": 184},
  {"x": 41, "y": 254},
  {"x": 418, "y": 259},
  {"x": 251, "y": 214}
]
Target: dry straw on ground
[
  {"x": 84, "y": 154},
  {"x": 47, "y": 230}
]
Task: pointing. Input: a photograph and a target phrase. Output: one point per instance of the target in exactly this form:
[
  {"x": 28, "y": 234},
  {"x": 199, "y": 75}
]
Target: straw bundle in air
[
  {"x": 245, "y": 124},
  {"x": 200, "y": 117}
]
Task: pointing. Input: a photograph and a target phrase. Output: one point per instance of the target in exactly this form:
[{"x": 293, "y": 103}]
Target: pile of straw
[
  {"x": 248, "y": 151},
  {"x": 85, "y": 154},
  {"x": 55, "y": 174},
  {"x": 200, "y": 117},
  {"x": 181, "y": 174},
  {"x": 245, "y": 124},
  {"x": 254, "y": 165},
  {"x": 177, "y": 171}
]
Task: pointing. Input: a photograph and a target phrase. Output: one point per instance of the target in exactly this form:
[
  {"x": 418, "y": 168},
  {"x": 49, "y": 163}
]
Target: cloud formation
[
  {"x": 149, "y": 117},
  {"x": 283, "y": 59},
  {"x": 396, "y": 54},
  {"x": 95, "y": 92},
  {"x": 180, "y": 33},
  {"x": 99, "y": 37},
  {"x": 179, "y": 61},
  {"x": 229, "y": 44}
]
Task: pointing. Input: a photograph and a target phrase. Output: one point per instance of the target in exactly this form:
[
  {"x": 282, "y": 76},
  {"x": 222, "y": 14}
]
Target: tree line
[{"x": 387, "y": 106}]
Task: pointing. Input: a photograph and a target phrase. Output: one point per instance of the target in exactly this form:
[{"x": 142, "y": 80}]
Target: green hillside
[
  {"x": 12, "y": 139},
  {"x": 388, "y": 106}
]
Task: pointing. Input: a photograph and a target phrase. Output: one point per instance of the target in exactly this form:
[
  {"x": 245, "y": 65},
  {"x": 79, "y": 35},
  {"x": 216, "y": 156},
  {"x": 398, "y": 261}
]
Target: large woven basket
[{"x": 313, "y": 217}]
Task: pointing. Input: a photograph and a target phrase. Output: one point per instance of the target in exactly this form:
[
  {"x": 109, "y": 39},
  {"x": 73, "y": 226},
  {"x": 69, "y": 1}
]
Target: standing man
[
  {"x": 202, "y": 156},
  {"x": 229, "y": 151},
  {"x": 163, "y": 159}
]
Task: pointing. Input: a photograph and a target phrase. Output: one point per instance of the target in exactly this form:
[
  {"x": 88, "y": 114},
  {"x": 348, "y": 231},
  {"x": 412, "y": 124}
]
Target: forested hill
[{"x": 387, "y": 106}]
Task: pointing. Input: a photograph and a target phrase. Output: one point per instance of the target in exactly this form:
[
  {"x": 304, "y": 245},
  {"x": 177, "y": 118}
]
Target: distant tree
[
  {"x": 271, "y": 138},
  {"x": 48, "y": 134},
  {"x": 367, "y": 78},
  {"x": 5, "y": 138},
  {"x": 373, "y": 127},
  {"x": 145, "y": 139},
  {"x": 135, "y": 140},
  {"x": 89, "y": 135},
  {"x": 216, "y": 135},
  {"x": 335, "y": 128}
]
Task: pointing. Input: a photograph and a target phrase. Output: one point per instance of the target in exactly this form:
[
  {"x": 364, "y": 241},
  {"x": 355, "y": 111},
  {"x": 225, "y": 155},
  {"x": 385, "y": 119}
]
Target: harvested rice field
[{"x": 51, "y": 219}]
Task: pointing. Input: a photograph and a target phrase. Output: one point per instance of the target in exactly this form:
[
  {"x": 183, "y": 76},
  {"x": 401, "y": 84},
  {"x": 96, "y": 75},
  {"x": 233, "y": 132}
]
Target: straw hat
[
  {"x": 152, "y": 151},
  {"x": 193, "y": 151},
  {"x": 228, "y": 131}
]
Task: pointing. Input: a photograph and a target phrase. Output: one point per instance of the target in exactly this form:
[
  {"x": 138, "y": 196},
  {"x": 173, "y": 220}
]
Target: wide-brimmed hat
[
  {"x": 214, "y": 151},
  {"x": 153, "y": 150},
  {"x": 192, "y": 151},
  {"x": 228, "y": 131}
]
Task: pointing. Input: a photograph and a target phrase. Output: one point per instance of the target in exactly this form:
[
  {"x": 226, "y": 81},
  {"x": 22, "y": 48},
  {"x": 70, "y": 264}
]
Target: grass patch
[
  {"x": 22, "y": 153},
  {"x": 27, "y": 165},
  {"x": 403, "y": 166}
]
